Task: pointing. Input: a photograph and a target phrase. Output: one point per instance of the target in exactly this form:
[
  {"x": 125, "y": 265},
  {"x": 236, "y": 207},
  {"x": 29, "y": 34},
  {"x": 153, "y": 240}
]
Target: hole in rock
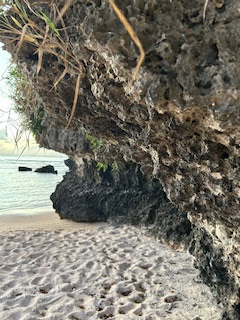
[
  {"x": 226, "y": 79},
  {"x": 167, "y": 94},
  {"x": 204, "y": 84},
  {"x": 225, "y": 155},
  {"x": 211, "y": 54},
  {"x": 67, "y": 76},
  {"x": 195, "y": 121}
]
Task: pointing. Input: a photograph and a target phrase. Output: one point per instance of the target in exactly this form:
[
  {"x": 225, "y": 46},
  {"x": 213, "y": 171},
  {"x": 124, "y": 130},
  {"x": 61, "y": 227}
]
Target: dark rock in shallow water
[
  {"x": 24, "y": 169},
  {"x": 46, "y": 169}
]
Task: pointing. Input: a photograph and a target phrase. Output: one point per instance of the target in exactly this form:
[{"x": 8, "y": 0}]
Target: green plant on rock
[
  {"x": 95, "y": 142},
  {"x": 102, "y": 166},
  {"x": 17, "y": 82},
  {"x": 35, "y": 122},
  {"x": 114, "y": 166}
]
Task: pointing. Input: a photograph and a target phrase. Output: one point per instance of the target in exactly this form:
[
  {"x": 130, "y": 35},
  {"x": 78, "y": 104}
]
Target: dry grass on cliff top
[{"x": 18, "y": 28}]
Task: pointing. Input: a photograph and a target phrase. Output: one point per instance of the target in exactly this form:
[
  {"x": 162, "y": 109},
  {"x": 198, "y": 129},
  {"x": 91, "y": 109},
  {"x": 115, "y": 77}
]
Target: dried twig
[
  {"x": 60, "y": 78},
  {"x": 64, "y": 9},
  {"x": 40, "y": 50},
  {"x": 77, "y": 87}
]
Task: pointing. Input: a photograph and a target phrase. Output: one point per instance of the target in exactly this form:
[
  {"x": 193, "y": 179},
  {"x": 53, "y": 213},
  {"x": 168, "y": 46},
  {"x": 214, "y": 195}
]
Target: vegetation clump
[
  {"x": 25, "y": 101},
  {"x": 46, "y": 34},
  {"x": 95, "y": 142},
  {"x": 104, "y": 166}
]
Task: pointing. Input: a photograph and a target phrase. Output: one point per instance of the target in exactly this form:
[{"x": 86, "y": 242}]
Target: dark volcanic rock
[
  {"x": 121, "y": 196},
  {"x": 46, "y": 169},
  {"x": 125, "y": 195},
  {"x": 179, "y": 121},
  {"x": 24, "y": 169}
]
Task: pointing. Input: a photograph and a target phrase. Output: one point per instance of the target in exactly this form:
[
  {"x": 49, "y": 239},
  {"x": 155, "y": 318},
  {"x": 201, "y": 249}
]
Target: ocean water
[{"x": 28, "y": 192}]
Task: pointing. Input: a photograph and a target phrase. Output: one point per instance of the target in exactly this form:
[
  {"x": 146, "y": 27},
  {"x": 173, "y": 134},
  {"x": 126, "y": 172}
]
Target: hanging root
[{"x": 134, "y": 37}]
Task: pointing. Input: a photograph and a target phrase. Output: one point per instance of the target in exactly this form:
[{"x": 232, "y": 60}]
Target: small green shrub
[
  {"x": 102, "y": 166},
  {"x": 17, "y": 81},
  {"x": 25, "y": 102},
  {"x": 35, "y": 122},
  {"x": 114, "y": 166},
  {"x": 95, "y": 142}
]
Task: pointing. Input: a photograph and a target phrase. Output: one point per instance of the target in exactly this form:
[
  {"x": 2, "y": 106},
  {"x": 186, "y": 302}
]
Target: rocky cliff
[{"x": 174, "y": 132}]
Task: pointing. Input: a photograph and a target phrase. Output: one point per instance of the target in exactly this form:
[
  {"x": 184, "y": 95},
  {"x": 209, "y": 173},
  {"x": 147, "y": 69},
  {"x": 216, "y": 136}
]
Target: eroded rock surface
[{"x": 179, "y": 121}]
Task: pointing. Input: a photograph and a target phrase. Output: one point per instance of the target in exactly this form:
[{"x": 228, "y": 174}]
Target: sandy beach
[{"x": 56, "y": 269}]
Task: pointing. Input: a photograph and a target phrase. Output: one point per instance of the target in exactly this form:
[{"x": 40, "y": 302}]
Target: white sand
[{"x": 104, "y": 273}]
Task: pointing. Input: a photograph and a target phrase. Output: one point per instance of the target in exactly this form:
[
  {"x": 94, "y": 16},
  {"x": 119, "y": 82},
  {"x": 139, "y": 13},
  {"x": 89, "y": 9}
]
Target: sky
[{"x": 9, "y": 120}]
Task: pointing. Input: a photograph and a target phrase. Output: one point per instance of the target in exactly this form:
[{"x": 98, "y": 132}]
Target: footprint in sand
[
  {"x": 124, "y": 266},
  {"x": 85, "y": 243},
  {"x": 89, "y": 264},
  {"x": 77, "y": 316},
  {"x": 139, "y": 311},
  {"x": 172, "y": 298},
  {"x": 138, "y": 298},
  {"x": 145, "y": 265},
  {"x": 107, "y": 312},
  {"x": 45, "y": 288},
  {"x": 159, "y": 259},
  {"x": 9, "y": 285},
  {"x": 125, "y": 290},
  {"x": 124, "y": 309},
  {"x": 140, "y": 286},
  {"x": 8, "y": 268},
  {"x": 83, "y": 250},
  {"x": 26, "y": 301},
  {"x": 107, "y": 286}
]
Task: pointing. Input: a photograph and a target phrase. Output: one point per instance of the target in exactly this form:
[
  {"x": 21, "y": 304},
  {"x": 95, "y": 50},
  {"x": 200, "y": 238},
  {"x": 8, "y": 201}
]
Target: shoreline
[{"x": 45, "y": 221}]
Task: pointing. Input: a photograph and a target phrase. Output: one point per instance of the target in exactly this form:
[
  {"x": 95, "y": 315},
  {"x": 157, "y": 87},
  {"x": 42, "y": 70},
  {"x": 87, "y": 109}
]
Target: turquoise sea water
[{"x": 28, "y": 192}]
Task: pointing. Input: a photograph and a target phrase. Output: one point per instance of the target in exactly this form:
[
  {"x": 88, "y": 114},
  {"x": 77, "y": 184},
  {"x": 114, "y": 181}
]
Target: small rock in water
[
  {"x": 46, "y": 169},
  {"x": 24, "y": 169}
]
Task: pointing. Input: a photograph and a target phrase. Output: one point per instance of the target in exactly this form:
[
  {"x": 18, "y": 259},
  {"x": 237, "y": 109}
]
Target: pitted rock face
[{"x": 179, "y": 120}]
